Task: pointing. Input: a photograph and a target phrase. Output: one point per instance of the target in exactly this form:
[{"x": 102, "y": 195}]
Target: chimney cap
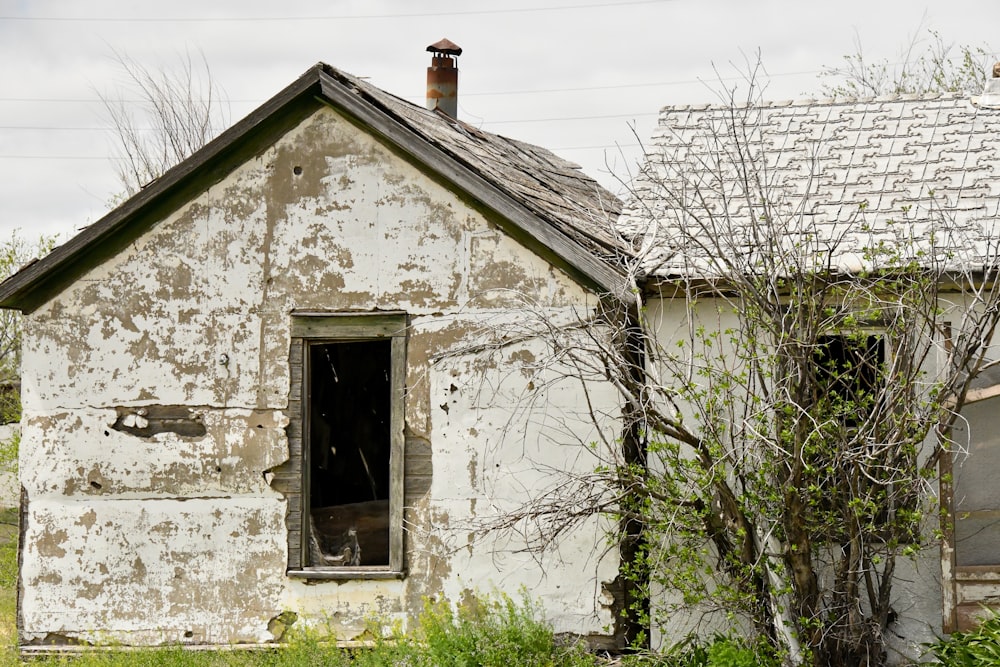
[{"x": 447, "y": 47}]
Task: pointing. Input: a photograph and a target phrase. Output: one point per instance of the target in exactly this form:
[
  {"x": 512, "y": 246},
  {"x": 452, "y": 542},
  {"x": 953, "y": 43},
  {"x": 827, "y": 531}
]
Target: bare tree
[
  {"x": 926, "y": 65},
  {"x": 790, "y": 382},
  {"x": 14, "y": 253},
  {"x": 162, "y": 116}
]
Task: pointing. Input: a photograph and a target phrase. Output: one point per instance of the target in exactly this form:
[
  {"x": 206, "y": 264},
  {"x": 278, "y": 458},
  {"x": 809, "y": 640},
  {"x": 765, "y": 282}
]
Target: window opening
[
  {"x": 349, "y": 449},
  {"x": 849, "y": 369},
  {"x": 343, "y": 480}
]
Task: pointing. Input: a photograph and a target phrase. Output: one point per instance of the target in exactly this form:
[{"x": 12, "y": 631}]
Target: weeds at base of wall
[
  {"x": 975, "y": 648},
  {"x": 490, "y": 632},
  {"x": 720, "y": 651}
]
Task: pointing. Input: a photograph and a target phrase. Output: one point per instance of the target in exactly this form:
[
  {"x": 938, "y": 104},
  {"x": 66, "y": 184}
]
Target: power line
[
  {"x": 111, "y": 158},
  {"x": 529, "y": 91},
  {"x": 344, "y": 17},
  {"x": 59, "y": 157},
  {"x": 97, "y": 100},
  {"x": 513, "y": 121}
]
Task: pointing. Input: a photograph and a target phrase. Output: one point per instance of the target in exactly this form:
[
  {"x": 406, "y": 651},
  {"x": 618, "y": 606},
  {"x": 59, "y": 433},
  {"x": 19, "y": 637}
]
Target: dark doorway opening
[{"x": 349, "y": 418}]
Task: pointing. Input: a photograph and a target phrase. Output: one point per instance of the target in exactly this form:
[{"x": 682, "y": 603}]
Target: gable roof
[
  {"x": 545, "y": 202},
  {"x": 835, "y": 177}
]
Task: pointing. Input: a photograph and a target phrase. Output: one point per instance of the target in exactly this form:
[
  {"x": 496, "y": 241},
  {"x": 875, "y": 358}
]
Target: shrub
[{"x": 976, "y": 648}]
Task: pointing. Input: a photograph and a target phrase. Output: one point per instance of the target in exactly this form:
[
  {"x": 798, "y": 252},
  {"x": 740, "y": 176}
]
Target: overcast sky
[{"x": 575, "y": 76}]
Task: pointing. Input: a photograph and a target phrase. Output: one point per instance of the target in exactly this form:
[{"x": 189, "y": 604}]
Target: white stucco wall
[{"x": 181, "y": 539}]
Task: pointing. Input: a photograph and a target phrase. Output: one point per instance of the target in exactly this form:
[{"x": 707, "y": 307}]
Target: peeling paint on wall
[{"x": 156, "y": 393}]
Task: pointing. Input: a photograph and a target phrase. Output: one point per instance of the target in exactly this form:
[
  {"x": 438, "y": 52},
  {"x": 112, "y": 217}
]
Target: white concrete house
[
  {"x": 252, "y": 389},
  {"x": 837, "y": 178}
]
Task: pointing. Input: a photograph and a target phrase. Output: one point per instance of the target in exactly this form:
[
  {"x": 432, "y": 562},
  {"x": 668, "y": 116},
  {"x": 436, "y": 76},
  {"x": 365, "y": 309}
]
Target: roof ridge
[{"x": 824, "y": 101}]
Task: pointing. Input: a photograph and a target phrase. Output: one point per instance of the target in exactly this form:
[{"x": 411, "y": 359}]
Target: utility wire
[
  {"x": 107, "y": 157},
  {"x": 514, "y": 121},
  {"x": 344, "y": 17},
  {"x": 531, "y": 91}
]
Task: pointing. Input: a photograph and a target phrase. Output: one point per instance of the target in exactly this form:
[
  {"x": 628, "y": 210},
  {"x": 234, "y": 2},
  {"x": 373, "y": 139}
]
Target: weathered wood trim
[
  {"x": 949, "y": 592},
  {"x": 345, "y": 326},
  {"x": 287, "y": 478},
  {"x": 346, "y": 573},
  {"x": 981, "y": 394},
  {"x": 978, "y": 573},
  {"x": 946, "y": 515},
  {"x": 397, "y": 454},
  {"x": 315, "y": 327}
]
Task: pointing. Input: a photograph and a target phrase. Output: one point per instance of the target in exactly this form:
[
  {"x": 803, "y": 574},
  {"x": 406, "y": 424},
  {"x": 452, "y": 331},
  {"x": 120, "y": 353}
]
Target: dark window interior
[
  {"x": 349, "y": 401},
  {"x": 848, "y": 370}
]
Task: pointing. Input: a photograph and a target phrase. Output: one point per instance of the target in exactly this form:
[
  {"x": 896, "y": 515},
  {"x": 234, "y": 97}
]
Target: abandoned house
[
  {"x": 912, "y": 176},
  {"x": 252, "y": 389},
  {"x": 285, "y": 377}
]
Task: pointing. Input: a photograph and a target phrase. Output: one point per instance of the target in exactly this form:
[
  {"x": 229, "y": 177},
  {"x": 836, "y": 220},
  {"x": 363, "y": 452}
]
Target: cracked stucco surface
[{"x": 169, "y": 538}]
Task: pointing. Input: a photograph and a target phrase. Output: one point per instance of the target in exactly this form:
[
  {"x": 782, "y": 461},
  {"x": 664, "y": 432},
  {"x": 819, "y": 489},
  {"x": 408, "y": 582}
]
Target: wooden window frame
[
  {"x": 309, "y": 328},
  {"x": 967, "y": 590}
]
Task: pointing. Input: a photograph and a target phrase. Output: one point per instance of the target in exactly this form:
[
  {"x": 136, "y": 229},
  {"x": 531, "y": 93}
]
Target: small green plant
[
  {"x": 975, "y": 648},
  {"x": 721, "y": 651},
  {"x": 486, "y": 632}
]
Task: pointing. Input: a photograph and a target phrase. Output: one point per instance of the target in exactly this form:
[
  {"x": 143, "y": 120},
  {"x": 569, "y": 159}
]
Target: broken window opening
[
  {"x": 976, "y": 497},
  {"x": 349, "y": 417},
  {"x": 343, "y": 480},
  {"x": 849, "y": 374}
]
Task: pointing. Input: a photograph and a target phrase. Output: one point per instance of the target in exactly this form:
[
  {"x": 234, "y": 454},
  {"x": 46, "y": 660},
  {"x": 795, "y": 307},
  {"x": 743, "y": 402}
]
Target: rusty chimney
[{"x": 442, "y": 77}]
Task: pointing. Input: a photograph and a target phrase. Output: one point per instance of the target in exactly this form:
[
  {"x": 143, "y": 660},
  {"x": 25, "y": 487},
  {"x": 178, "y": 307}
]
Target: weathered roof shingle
[
  {"x": 545, "y": 201},
  {"x": 831, "y": 178}
]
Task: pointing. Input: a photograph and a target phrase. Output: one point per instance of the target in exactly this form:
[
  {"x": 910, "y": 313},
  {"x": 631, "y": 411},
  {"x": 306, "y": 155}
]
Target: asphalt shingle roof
[{"x": 833, "y": 178}]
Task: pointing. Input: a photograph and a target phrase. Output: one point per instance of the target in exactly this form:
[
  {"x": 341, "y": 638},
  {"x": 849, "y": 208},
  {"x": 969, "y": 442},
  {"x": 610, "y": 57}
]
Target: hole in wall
[
  {"x": 95, "y": 485},
  {"x": 297, "y": 170}
]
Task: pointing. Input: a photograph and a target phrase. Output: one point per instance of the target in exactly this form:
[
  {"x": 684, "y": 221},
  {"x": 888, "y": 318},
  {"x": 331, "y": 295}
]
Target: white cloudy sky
[{"x": 572, "y": 75}]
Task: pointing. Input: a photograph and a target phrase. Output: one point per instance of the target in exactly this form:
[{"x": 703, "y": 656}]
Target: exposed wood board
[
  {"x": 348, "y": 326},
  {"x": 397, "y": 456}
]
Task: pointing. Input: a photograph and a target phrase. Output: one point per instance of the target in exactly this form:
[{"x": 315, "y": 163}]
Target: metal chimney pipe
[
  {"x": 990, "y": 99},
  {"x": 442, "y": 78}
]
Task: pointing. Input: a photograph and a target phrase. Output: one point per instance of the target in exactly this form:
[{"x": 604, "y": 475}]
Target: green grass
[{"x": 490, "y": 632}]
